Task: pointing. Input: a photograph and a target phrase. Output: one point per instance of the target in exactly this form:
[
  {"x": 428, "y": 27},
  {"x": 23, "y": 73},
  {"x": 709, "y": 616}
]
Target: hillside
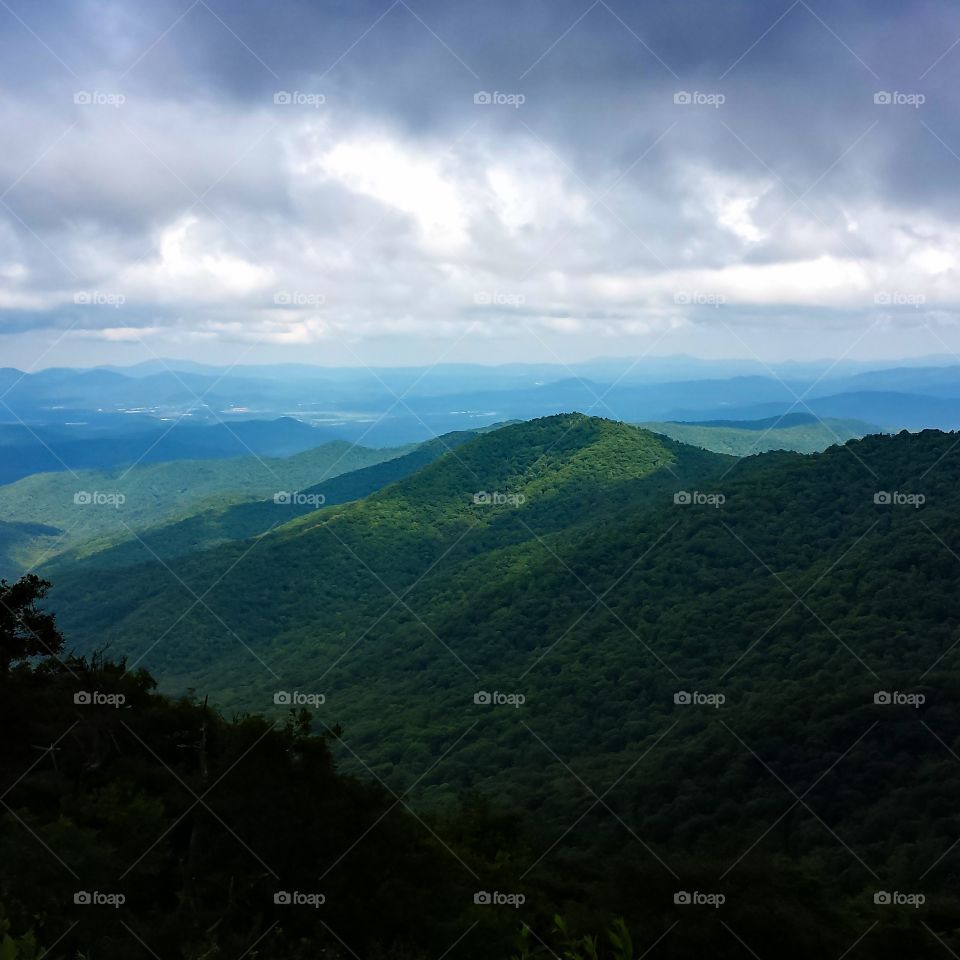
[
  {"x": 562, "y": 470},
  {"x": 43, "y": 517},
  {"x": 706, "y": 638},
  {"x": 800, "y": 432},
  {"x": 238, "y": 521},
  {"x": 200, "y": 835},
  {"x": 890, "y": 410},
  {"x": 597, "y": 598},
  {"x": 101, "y": 440}
]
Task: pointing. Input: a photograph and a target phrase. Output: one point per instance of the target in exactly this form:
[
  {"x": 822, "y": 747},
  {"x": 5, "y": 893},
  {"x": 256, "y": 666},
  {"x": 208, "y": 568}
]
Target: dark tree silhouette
[{"x": 26, "y": 630}]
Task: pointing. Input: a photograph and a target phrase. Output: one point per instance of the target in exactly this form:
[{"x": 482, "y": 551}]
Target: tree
[{"x": 25, "y": 629}]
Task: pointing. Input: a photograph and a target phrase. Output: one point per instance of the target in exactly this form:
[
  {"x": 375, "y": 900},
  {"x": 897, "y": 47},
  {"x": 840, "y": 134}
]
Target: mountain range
[
  {"x": 590, "y": 658},
  {"x": 59, "y": 419},
  {"x": 536, "y": 599}
]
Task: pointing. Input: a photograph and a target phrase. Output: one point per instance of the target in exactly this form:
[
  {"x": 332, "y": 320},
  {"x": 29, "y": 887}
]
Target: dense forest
[
  {"x": 639, "y": 665},
  {"x": 801, "y": 432},
  {"x": 39, "y": 518},
  {"x": 139, "y": 825}
]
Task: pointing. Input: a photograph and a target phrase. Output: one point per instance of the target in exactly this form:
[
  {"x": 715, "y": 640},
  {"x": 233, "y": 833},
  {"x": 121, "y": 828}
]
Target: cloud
[{"x": 149, "y": 157}]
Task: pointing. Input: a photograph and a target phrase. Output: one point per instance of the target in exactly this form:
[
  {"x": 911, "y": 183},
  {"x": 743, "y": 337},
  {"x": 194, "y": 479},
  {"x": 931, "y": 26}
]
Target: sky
[{"x": 399, "y": 182}]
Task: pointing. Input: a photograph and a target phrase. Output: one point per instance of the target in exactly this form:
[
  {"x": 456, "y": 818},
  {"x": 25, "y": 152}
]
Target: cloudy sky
[{"x": 392, "y": 182}]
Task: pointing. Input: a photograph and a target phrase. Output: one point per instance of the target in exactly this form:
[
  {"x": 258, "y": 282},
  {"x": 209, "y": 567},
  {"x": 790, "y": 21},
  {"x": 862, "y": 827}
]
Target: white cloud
[{"x": 394, "y": 236}]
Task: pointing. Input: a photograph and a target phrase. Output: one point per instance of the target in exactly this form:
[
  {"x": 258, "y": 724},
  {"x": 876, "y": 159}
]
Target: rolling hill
[
  {"x": 602, "y": 572},
  {"x": 103, "y": 441},
  {"x": 207, "y": 527},
  {"x": 891, "y": 410},
  {"x": 641, "y": 666},
  {"x": 47, "y": 514},
  {"x": 802, "y": 432}
]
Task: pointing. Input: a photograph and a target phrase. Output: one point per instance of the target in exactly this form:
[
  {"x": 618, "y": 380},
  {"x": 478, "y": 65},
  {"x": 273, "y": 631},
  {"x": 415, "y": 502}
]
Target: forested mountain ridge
[
  {"x": 249, "y": 518},
  {"x": 667, "y": 670},
  {"x": 777, "y": 581},
  {"x": 86, "y": 510},
  {"x": 548, "y": 472},
  {"x": 801, "y": 432}
]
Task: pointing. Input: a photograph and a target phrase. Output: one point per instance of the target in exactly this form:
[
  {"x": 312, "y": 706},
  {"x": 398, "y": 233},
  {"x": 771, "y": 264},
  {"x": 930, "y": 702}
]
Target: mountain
[
  {"x": 61, "y": 419},
  {"x": 563, "y": 469},
  {"x": 250, "y": 518},
  {"x": 47, "y": 514},
  {"x": 892, "y": 411},
  {"x": 603, "y": 664},
  {"x": 604, "y": 572},
  {"x": 802, "y": 432},
  {"x": 106, "y": 441}
]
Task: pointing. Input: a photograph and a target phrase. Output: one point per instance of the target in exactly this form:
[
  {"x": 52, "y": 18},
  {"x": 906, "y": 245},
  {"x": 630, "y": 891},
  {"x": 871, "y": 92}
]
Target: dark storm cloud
[{"x": 404, "y": 200}]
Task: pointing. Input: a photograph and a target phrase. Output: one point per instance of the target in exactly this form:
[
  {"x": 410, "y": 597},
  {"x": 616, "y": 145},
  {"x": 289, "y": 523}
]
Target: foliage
[
  {"x": 209, "y": 526},
  {"x": 598, "y": 598},
  {"x": 25, "y": 629},
  {"x": 43, "y": 518},
  {"x": 744, "y": 438}
]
